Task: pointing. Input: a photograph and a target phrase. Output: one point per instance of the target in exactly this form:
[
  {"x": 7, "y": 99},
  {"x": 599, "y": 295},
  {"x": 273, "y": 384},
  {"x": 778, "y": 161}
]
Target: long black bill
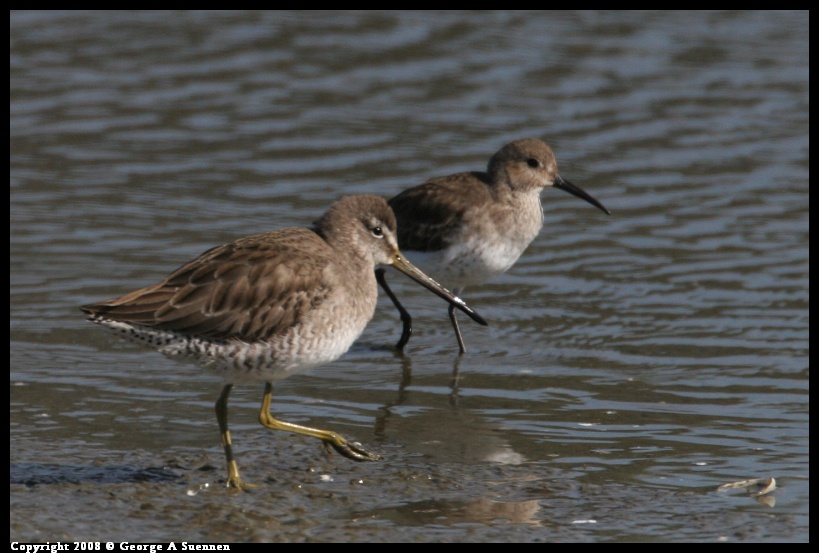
[
  {"x": 401, "y": 263},
  {"x": 575, "y": 190}
]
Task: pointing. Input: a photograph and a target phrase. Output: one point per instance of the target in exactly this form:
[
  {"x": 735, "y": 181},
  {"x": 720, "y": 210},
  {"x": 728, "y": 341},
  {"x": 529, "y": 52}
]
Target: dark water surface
[{"x": 634, "y": 363}]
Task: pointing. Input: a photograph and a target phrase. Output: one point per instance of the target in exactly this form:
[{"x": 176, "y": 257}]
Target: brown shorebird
[
  {"x": 271, "y": 305},
  {"x": 467, "y": 228}
]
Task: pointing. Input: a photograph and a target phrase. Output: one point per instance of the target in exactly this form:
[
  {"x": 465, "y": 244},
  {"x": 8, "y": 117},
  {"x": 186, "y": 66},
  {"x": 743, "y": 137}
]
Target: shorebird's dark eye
[
  {"x": 377, "y": 232},
  {"x": 532, "y": 162}
]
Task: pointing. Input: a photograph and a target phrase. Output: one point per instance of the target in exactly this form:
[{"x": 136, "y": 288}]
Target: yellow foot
[
  {"x": 237, "y": 482},
  {"x": 351, "y": 450}
]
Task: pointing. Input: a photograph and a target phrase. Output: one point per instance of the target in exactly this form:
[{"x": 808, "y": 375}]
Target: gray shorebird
[
  {"x": 271, "y": 305},
  {"x": 467, "y": 228}
]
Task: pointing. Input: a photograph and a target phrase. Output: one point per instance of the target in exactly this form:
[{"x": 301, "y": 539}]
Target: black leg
[
  {"x": 456, "y": 328},
  {"x": 405, "y": 316}
]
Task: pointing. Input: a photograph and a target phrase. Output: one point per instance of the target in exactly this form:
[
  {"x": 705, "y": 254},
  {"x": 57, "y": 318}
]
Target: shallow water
[{"x": 632, "y": 365}]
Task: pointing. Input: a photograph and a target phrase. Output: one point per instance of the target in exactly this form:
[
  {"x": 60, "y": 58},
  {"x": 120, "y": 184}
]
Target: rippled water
[{"x": 634, "y": 363}]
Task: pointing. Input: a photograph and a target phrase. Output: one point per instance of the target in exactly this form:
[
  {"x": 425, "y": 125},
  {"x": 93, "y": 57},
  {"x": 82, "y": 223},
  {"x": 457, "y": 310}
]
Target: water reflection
[
  {"x": 448, "y": 432},
  {"x": 478, "y": 511}
]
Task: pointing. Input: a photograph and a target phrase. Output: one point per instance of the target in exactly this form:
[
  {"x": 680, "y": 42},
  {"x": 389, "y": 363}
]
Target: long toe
[
  {"x": 353, "y": 450},
  {"x": 238, "y": 483}
]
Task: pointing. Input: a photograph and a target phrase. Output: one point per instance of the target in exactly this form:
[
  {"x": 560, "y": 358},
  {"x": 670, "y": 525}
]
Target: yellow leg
[
  {"x": 350, "y": 450},
  {"x": 222, "y": 417}
]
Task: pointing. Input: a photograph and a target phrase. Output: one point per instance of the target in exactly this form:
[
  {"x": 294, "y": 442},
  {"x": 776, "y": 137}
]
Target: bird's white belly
[{"x": 467, "y": 263}]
